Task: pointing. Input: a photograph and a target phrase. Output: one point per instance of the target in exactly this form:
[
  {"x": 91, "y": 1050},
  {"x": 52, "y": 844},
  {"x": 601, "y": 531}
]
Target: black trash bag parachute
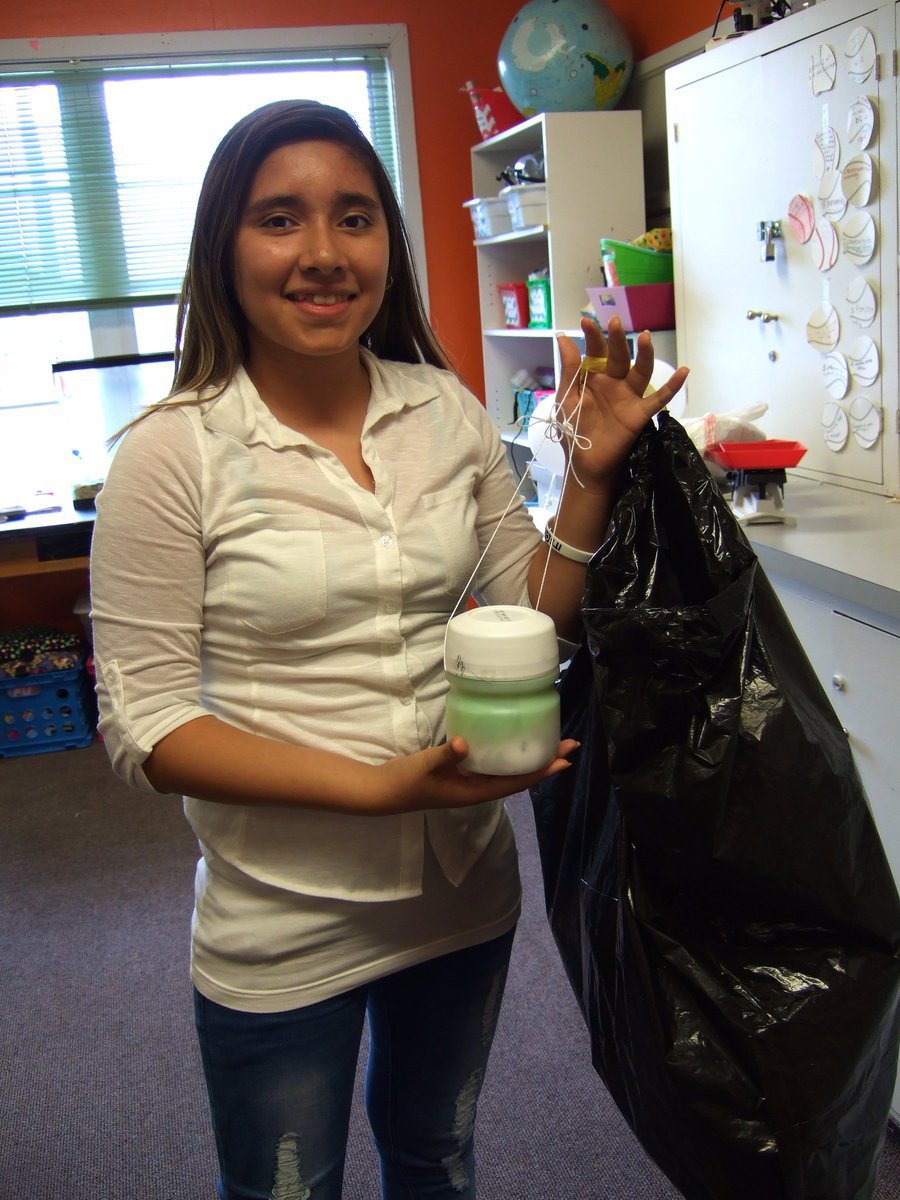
[{"x": 713, "y": 877}]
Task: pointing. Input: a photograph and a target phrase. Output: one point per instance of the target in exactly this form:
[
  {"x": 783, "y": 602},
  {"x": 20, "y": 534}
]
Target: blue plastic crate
[{"x": 40, "y": 713}]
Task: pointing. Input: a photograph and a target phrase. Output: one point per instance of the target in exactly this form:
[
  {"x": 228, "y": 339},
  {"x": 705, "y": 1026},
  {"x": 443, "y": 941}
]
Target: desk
[
  {"x": 44, "y": 562},
  {"x": 46, "y": 543}
]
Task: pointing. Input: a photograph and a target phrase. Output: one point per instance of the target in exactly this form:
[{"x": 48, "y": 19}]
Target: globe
[{"x": 565, "y": 56}]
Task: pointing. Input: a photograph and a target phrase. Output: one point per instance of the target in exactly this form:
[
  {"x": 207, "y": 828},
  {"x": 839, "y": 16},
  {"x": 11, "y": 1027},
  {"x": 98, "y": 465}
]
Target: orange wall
[{"x": 449, "y": 42}]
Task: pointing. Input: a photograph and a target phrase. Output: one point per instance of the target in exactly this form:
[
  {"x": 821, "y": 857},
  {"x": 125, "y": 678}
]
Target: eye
[
  {"x": 276, "y": 221},
  {"x": 357, "y": 220}
]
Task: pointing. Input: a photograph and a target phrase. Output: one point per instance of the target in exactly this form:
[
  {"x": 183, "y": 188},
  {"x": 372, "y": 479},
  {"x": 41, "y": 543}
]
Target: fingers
[
  {"x": 594, "y": 338},
  {"x": 664, "y": 395},
  {"x": 642, "y": 371},
  {"x": 569, "y": 356},
  {"x": 613, "y": 347},
  {"x": 618, "y": 353},
  {"x": 517, "y": 783},
  {"x": 455, "y": 750}
]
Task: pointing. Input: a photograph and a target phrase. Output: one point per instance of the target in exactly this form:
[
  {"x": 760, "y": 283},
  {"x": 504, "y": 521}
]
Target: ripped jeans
[{"x": 281, "y": 1084}]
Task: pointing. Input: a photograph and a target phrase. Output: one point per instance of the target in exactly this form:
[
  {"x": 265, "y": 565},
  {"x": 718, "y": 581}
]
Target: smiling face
[{"x": 310, "y": 256}]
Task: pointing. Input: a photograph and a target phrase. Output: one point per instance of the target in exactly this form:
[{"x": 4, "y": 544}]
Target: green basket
[{"x": 635, "y": 264}]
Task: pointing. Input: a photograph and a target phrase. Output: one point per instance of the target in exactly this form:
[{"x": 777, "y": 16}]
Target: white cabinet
[
  {"x": 747, "y": 126},
  {"x": 595, "y": 188},
  {"x": 855, "y": 652}
]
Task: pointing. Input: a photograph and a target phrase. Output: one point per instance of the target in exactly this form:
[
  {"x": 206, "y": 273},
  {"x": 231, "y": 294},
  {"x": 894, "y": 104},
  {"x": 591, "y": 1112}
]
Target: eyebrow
[{"x": 293, "y": 200}]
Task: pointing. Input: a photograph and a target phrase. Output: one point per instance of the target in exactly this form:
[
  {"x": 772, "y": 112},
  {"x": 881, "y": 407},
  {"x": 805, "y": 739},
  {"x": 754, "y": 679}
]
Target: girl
[{"x": 278, "y": 548}]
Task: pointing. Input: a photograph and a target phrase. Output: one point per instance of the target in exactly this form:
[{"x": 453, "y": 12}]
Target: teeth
[{"x": 323, "y": 299}]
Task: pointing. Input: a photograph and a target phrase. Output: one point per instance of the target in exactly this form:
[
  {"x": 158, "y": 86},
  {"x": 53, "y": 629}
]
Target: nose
[{"x": 320, "y": 249}]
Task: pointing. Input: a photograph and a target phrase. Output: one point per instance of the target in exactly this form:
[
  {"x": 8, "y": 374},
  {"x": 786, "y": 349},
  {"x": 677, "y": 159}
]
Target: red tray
[{"x": 756, "y": 456}]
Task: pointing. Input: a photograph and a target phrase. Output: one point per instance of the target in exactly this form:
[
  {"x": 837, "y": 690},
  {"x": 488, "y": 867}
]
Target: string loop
[{"x": 555, "y": 429}]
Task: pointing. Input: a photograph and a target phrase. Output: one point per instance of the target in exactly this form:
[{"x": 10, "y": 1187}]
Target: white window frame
[{"x": 109, "y": 336}]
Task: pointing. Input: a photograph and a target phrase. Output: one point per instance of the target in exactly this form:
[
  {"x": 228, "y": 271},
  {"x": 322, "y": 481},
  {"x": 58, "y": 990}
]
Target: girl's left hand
[{"x": 613, "y": 408}]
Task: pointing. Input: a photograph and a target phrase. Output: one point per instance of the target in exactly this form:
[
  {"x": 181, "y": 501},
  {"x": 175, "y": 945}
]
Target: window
[{"x": 103, "y": 143}]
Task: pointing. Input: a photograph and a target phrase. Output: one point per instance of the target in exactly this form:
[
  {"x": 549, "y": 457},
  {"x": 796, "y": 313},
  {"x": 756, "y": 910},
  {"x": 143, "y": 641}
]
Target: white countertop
[{"x": 845, "y": 542}]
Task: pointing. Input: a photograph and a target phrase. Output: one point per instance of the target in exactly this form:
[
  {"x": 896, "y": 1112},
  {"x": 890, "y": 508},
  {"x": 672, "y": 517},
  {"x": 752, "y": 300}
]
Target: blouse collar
[{"x": 241, "y": 414}]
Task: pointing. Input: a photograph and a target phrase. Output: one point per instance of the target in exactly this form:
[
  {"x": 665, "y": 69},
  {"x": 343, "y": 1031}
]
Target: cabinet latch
[{"x": 769, "y": 233}]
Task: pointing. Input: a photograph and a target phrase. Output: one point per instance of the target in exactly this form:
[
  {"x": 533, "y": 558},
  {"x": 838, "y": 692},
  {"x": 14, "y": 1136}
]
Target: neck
[{"x": 331, "y": 391}]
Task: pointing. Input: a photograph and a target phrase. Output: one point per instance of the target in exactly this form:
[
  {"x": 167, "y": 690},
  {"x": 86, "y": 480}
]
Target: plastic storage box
[
  {"x": 627, "y": 264},
  {"x": 527, "y": 203},
  {"x": 490, "y": 217},
  {"x": 514, "y": 297},
  {"x": 50, "y": 711},
  {"x": 644, "y": 306}
]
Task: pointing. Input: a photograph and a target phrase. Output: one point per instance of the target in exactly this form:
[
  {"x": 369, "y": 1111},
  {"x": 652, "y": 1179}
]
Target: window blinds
[{"x": 101, "y": 164}]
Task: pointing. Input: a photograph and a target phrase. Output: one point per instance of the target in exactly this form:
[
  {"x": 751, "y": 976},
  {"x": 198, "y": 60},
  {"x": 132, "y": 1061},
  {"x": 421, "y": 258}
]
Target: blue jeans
[{"x": 281, "y": 1084}]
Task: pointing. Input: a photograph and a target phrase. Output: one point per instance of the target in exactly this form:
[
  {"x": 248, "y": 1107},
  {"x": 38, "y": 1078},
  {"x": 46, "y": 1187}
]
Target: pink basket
[{"x": 639, "y": 306}]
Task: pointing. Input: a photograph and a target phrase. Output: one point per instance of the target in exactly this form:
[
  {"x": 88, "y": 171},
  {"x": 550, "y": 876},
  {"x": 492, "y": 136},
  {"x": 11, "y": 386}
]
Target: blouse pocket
[
  {"x": 275, "y": 573},
  {"x": 451, "y": 516}
]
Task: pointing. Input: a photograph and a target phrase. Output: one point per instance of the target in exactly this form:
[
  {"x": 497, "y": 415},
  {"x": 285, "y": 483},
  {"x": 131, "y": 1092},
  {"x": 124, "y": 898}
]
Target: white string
[
  {"x": 567, "y": 428},
  {"x": 554, "y": 430}
]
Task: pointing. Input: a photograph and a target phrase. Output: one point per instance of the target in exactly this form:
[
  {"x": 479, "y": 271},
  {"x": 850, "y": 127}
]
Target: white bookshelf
[{"x": 595, "y": 188}]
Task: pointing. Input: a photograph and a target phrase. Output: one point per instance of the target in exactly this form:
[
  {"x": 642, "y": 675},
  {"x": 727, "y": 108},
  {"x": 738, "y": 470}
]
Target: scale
[{"x": 755, "y": 473}]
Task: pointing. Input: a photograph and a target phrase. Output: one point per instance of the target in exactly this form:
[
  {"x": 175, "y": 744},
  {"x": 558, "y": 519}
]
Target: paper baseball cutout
[
  {"x": 826, "y": 151},
  {"x": 837, "y": 375},
  {"x": 856, "y": 180},
  {"x": 823, "y": 245},
  {"x": 823, "y": 329},
  {"x": 862, "y": 303},
  {"x": 835, "y": 426},
  {"x": 801, "y": 218},
  {"x": 822, "y": 69},
  {"x": 832, "y": 201},
  {"x": 859, "y": 237},
  {"x": 863, "y": 359},
  {"x": 865, "y": 421},
  {"x": 860, "y": 123},
  {"x": 860, "y": 54}
]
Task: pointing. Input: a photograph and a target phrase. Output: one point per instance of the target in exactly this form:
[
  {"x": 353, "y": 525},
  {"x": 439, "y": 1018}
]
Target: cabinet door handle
[
  {"x": 838, "y": 682},
  {"x": 768, "y": 233}
]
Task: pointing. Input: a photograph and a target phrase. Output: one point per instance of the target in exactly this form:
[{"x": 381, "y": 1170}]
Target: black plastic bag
[{"x": 713, "y": 876}]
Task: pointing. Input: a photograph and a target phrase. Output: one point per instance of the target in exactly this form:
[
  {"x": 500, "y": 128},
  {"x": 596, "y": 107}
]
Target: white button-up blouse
[{"x": 238, "y": 570}]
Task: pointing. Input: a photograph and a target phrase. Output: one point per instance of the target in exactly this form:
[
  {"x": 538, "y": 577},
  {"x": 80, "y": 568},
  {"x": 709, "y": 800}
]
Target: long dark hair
[{"x": 211, "y": 336}]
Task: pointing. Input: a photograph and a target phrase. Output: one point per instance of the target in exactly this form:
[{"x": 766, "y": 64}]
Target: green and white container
[{"x": 502, "y": 662}]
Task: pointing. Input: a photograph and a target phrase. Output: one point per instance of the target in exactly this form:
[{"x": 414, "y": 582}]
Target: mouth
[{"x": 319, "y": 299}]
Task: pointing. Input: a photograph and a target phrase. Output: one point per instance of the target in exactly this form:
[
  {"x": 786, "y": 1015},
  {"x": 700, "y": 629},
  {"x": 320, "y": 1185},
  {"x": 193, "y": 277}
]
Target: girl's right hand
[{"x": 437, "y": 778}]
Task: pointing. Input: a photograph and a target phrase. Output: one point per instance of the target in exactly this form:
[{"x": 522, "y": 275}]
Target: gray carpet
[{"x": 102, "y": 1097}]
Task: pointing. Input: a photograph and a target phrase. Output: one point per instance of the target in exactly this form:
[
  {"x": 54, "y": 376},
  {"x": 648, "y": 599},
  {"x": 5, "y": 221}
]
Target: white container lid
[
  {"x": 521, "y": 191},
  {"x": 501, "y": 641},
  {"x": 486, "y": 202}
]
